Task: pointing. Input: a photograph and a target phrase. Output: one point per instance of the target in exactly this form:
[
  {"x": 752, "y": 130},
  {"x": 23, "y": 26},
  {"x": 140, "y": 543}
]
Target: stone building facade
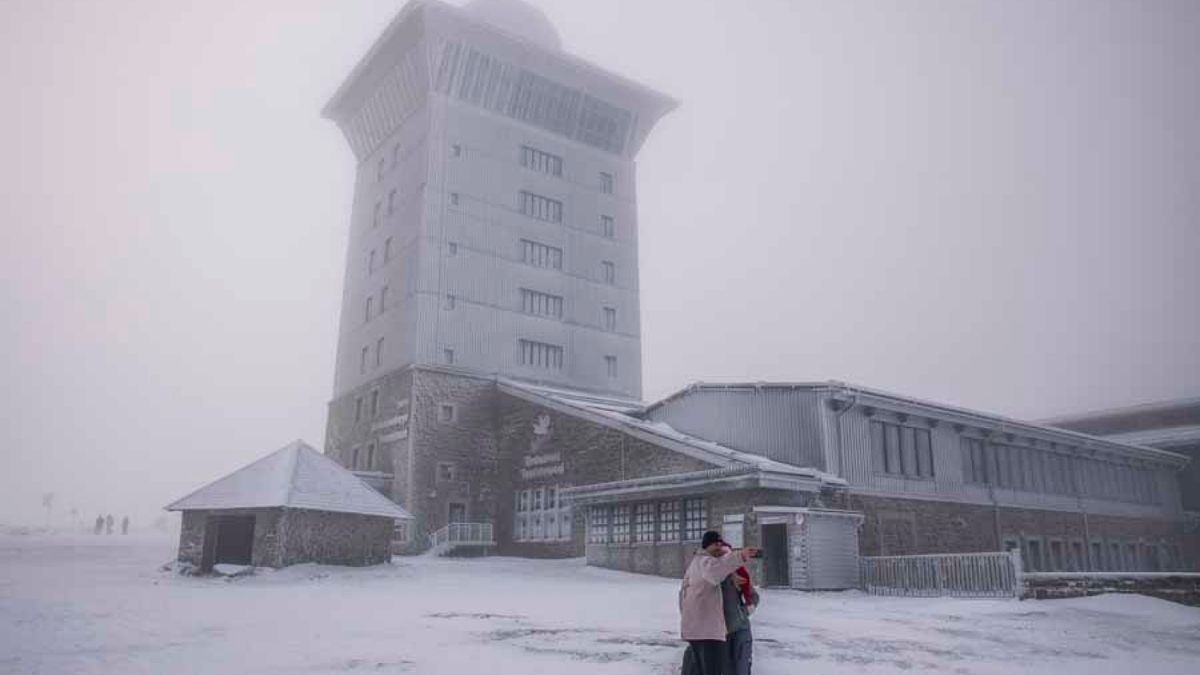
[
  {"x": 563, "y": 473},
  {"x": 283, "y": 537},
  {"x": 292, "y": 506},
  {"x": 489, "y": 362}
]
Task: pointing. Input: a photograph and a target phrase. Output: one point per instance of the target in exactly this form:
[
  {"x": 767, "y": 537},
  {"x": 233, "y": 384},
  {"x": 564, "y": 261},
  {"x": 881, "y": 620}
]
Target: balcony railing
[{"x": 455, "y": 535}]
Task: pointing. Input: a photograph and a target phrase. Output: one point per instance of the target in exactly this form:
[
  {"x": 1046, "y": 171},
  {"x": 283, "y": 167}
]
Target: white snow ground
[{"x": 85, "y": 604}]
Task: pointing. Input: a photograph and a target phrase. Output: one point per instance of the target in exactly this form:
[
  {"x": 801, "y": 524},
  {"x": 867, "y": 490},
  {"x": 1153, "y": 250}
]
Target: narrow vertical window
[
  {"x": 358, "y": 409},
  {"x": 456, "y": 150},
  {"x": 391, "y": 202},
  {"x": 448, "y": 355},
  {"x": 383, "y": 292},
  {"x": 610, "y": 365},
  {"x": 387, "y": 249},
  {"x": 878, "y": 447},
  {"x": 610, "y": 319},
  {"x": 452, "y": 248},
  {"x": 695, "y": 518},
  {"x": 379, "y": 171},
  {"x": 891, "y": 436},
  {"x": 449, "y": 301},
  {"x": 395, "y": 155},
  {"x": 924, "y": 454},
  {"x": 371, "y": 262},
  {"x": 368, "y": 312},
  {"x": 370, "y": 456},
  {"x": 606, "y": 226},
  {"x": 609, "y": 272},
  {"x": 375, "y": 403},
  {"x": 375, "y": 218},
  {"x": 454, "y": 199},
  {"x": 606, "y": 183},
  {"x": 378, "y": 352},
  {"x": 362, "y": 360}
]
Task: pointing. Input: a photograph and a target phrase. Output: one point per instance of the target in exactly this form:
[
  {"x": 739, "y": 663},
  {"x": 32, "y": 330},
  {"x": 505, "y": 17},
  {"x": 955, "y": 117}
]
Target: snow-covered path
[{"x": 79, "y": 604}]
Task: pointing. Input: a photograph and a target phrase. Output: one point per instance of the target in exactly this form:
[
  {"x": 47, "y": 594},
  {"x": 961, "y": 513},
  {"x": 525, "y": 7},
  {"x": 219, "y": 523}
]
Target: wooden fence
[{"x": 971, "y": 575}]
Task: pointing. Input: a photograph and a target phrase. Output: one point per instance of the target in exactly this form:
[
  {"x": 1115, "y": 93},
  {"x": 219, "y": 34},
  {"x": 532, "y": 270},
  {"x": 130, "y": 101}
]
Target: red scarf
[{"x": 748, "y": 587}]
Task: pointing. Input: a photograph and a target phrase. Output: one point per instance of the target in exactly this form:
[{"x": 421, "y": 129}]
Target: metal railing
[
  {"x": 971, "y": 575},
  {"x": 461, "y": 534}
]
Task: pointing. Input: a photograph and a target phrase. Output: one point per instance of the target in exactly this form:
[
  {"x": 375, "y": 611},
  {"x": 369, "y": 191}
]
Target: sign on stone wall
[{"x": 541, "y": 461}]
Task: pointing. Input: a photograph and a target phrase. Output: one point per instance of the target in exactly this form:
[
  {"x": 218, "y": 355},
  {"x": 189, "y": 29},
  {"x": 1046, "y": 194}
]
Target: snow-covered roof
[
  {"x": 296, "y": 477},
  {"x": 946, "y": 411},
  {"x": 520, "y": 19},
  {"x": 661, "y": 433},
  {"x": 609, "y": 402},
  {"x": 1160, "y": 438}
]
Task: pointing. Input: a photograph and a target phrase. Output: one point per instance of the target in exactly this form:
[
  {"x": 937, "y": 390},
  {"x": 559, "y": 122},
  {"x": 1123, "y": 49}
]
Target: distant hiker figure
[
  {"x": 702, "y": 615},
  {"x": 125, "y": 525},
  {"x": 108, "y": 523},
  {"x": 99, "y": 524}
]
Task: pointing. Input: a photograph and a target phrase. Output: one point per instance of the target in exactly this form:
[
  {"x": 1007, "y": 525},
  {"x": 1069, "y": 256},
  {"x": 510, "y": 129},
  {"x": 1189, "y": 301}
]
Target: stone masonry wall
[
  {"x": 588, "y": 453},
  {"x": 910, "y": 526},
  {"x": 266, "y": 546},
  {"x": 344, "y": 433},
  {"x": 467, "y": 443},
  {"x": 334, "y": 538},
  {"x": 191, "y": 537}
]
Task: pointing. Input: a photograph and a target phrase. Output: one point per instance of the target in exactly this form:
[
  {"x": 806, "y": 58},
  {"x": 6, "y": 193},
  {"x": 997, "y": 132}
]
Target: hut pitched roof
[{"x": 297, "y": 477}]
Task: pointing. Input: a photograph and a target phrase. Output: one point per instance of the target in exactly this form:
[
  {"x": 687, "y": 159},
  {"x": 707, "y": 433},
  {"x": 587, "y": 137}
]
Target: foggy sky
[{"x": 989, "y": 204}]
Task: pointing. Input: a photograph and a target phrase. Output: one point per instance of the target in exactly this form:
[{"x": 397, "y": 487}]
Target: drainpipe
[
  {"x": 1087, "y": 533},
  {"x": 837, "y": 420},
  {"x": 991, "y": 453},
  {"x": 623, "y": 439}
]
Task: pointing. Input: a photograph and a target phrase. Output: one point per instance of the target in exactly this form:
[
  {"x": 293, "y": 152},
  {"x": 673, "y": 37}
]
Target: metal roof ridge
[
  {"x": 1162, "y": 404},
  {"x": 1164, "y": 455}
]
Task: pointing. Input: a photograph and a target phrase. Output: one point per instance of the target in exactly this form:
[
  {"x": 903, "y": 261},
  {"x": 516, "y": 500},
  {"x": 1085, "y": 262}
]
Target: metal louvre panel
[
  {"x": 780, "y": 424},
  {"x": 833, "y": 542}
]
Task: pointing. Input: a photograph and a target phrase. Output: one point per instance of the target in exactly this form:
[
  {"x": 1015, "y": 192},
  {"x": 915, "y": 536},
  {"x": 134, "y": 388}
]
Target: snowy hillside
[{"x": 80, "y": 604}]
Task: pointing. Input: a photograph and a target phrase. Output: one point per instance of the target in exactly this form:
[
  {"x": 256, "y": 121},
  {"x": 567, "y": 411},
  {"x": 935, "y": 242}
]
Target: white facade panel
[{"x": 445, "y": 145}]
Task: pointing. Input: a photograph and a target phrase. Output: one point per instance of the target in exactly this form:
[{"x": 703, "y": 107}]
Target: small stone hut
[{"x": 293, "y": 506}]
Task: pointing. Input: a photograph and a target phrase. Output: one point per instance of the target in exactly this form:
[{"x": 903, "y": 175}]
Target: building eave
[
  {"x": 691, "y": 483},
  {"x": 951, "y": 413},
  {"x": 657, "y": 103}
]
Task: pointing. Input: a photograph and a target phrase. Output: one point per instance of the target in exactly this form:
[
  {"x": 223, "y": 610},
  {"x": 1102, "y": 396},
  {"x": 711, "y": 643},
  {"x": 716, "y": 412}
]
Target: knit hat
[{"x": 709, "y": 539}]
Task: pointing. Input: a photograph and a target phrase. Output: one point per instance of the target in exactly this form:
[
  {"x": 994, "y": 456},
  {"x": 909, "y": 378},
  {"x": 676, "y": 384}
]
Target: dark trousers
[
  {"x": 739, "y": 652},
  {"x": 704, "y": 657}
]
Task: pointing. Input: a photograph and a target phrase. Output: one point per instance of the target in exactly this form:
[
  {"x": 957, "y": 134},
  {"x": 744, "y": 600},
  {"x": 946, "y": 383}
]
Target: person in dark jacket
[{"x": 739, "y": 642}]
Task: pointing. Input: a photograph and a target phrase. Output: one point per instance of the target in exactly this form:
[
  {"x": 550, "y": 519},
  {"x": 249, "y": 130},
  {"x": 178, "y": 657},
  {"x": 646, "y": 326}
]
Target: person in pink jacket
[{"x": 702, "y": 618}]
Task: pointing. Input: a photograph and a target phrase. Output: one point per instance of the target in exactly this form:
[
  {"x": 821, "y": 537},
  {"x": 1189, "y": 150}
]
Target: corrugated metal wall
[
  {"x": 861, "y": 469},
  {"x": 832, "y": 551},
  {"x": 782, "y": 424}
]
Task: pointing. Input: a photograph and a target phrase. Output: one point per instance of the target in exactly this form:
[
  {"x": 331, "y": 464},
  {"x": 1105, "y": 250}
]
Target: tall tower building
[
  {"x": 494, "y": 226},
  {"x": 493, "y": 237}
]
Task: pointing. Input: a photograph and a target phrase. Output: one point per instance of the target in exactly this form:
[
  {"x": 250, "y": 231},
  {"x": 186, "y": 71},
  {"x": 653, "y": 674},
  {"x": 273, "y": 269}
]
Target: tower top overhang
[{"x": 417, "y": 37}]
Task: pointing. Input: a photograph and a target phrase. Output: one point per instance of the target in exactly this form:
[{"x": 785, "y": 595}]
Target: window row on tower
[
  {"x": 550, "y": 210},
  {"x": 546, "y": 356}
]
